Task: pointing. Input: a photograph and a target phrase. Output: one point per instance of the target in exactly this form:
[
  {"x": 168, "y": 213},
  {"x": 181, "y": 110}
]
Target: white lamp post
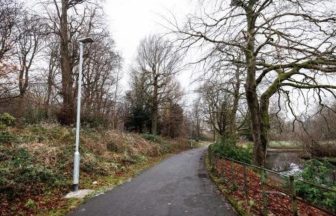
[{"x": 80, "y": 72}]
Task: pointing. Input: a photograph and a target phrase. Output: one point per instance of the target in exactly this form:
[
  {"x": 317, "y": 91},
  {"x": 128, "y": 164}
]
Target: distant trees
[
  {"x": 47, "y": 43},
  {"x": 196, "y": 119},
  {"x": 100, "y": 78},
  {"x": 27, "y": 48},
  {"x": 155, "y": 68},
  {"x": 173, "y": 121},
  {"x": 287, "y": 46},
  {"x": 66, "y": 28},
  {"x": 155, "y": 93},
  {"x": 10, "y": 12},
  {"x": 21, "y": 36},
  {"x": 138, "y": 116},
  {"x": 221, "y": 97}
]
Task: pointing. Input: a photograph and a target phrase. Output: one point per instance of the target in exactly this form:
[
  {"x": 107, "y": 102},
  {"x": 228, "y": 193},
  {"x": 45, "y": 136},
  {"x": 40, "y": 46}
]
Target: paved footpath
[{"x": 177, "y": 186}]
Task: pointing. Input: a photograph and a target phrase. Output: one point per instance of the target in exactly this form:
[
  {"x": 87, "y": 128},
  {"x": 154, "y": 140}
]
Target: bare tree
[
  {"x": 28, "y": 45},
  {"x": 172, "y": 120},
  {"x": 221, "y": 93},
  {"x": 10, "y": 12},
  {"x": 220, "y": 107},
  {"x": 288, "y": 46},
  {"x": 9, "y": 16},
  {"x": 51, "y": 72},
  {"x": 196, "y": 119},
  {"x": 158, "y": 61},
  {"x": 101, "y": 77},
  {"x": 65, "y": 27}
]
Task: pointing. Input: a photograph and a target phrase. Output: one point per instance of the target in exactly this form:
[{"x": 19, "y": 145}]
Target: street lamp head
[{"x": 86, "y": 40}]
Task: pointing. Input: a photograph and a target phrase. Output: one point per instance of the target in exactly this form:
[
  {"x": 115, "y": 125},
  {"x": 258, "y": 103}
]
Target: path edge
[{"x": 217, "y": 181}]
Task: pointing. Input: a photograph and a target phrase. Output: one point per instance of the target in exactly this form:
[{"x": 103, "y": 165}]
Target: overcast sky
[{"x": 132, "y": 20}]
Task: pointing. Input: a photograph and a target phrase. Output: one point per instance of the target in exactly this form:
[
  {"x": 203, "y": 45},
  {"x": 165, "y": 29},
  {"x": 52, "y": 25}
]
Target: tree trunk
[
  {"x": 155, "y": 107},
  {"x": 49, "y": 92},
  {"x": 233, "y": 127},
  {"x": 259, "y": 138},
  {"x": 66, "y": 116},
  {"x": 23, "y": 85},
  {"x": 265, "y": 124},
  {"x": 260, "y": 141}
]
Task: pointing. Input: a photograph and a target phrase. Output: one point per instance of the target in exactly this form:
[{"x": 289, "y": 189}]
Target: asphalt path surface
[{"x": 177, "y": 186}]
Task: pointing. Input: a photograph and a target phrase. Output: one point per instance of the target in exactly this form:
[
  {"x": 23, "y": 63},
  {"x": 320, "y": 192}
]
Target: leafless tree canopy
[
  {"x": 287, "y": 45},
  {"x": 157, "y": 64},
  {"x": 40, "y": 55}
]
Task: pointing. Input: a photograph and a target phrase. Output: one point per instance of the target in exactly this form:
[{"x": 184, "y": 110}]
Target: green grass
[
  {"x": 285, "y": 144},
  {"x": 330, "y": 159},
  {"x": 276, "y": 144}
]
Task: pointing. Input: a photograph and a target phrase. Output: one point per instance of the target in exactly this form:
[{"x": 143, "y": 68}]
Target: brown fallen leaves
[{"x": 277, "y": 201}]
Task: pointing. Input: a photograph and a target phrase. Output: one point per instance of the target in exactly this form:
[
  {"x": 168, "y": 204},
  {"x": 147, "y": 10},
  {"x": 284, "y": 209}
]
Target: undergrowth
[
  {"x": 228, "y": 148},
  {"x": 319, "y": 173},
  {"x": 36, "y": 161}
]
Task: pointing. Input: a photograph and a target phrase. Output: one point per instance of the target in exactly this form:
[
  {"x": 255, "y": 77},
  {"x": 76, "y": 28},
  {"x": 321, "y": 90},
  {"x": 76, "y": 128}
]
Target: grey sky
[{"x": 132, "y": 20}]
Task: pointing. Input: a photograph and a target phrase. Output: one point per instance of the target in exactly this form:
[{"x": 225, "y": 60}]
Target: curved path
[{"x": 177, "y": 186}]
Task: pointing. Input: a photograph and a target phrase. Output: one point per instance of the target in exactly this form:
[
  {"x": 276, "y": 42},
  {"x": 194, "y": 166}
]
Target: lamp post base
[
  {"x": 80, "y": 194},
  {"x": 75, "y": 187}
]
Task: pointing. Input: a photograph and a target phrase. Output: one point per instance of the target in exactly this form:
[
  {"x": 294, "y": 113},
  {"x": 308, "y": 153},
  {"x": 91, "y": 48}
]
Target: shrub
[
  {"x": 37, "y": 174},
  {"x": 227, "y": 148},
  {"x": 30, "y": 204},
  {"x": 91, "y": 121},
  {"x": 152, "y": 138},
  {"x": 6, "y": 137},
  {"x": 35, "y": 115},
  {"x": 7, "y": 119},
  {"x": 323, "y": 149},
  {"x": 319, "y": 173},
  {"x": 20, "y": 174},
  {"x": 139, "y": 158},
  {"x": 115, "y": 147}
]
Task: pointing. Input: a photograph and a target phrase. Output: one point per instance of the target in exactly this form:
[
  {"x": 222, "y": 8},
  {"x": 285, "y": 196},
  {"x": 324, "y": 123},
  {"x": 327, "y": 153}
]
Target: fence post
[
  {"x": 293, "y": 195},
  {"x": 245, "y": 183},
  {"x": 264, "y": 195}
]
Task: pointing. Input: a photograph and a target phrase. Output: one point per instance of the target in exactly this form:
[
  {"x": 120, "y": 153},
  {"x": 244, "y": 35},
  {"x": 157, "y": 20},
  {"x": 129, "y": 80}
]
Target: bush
[
  {"x": 152, "y": 138},
  {"x": 20, "y": 174},
  {"x": 7, "y": 119},
  {"x": 90, "y": 121},
  {"x": 227, "y": 148},
  {"x": 319, "y": 173},
  {"x": 37, "y": 174},
  {"x": 115, "y": 147},
  {"x": 6, "y": 137},
  {"x": 323, "y": 149},
  {"x": 164, "y": 145},
  {"x": 35, "y": 115}
]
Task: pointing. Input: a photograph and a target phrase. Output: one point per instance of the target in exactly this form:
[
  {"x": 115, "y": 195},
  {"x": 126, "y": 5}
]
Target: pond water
[{"x": 287, "y": 163}]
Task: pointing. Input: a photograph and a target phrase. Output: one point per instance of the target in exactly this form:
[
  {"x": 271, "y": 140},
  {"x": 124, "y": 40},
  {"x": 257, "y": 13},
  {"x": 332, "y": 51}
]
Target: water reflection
[{"x": 287, "y": 163}]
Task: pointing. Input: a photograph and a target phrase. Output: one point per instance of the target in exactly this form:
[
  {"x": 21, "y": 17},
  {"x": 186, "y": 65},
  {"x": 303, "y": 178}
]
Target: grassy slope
[
  {"x": 277, "y": 145},
  {"x": 36, "y": 164}
]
